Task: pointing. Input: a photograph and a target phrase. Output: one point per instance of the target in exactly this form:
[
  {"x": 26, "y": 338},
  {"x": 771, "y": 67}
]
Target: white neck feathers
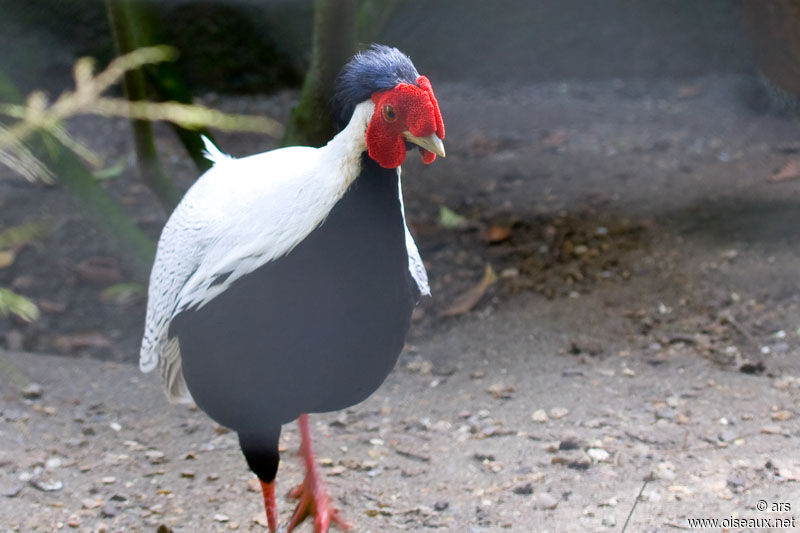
[{"x": 341, "y": 157}]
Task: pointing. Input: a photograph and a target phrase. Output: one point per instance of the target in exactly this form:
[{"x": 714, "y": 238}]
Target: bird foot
[{"x": 314, "y": 501}]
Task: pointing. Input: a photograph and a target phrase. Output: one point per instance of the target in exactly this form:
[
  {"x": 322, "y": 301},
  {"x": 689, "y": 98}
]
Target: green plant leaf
[
  {"x": 110, "y": 172},
  {"x": 16, "y": 304},
  {"x": 123, "y": 293},
  {"x": 23, "y": 234},
  {"x": 450, "y": 219}
]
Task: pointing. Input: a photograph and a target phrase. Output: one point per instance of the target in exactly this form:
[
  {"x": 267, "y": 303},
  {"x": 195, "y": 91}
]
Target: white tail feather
[{"x": 212, "y": 153}]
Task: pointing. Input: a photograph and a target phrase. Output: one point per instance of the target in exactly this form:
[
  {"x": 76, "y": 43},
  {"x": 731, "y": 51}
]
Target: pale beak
[{"x": 431, "y": 143}]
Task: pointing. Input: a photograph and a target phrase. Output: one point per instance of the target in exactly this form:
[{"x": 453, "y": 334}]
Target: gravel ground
[{"x": 639, "y": 347}]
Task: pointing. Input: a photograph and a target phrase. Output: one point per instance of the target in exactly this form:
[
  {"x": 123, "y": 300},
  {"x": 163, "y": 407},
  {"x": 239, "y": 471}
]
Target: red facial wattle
[{"x": 407, "y": 107}]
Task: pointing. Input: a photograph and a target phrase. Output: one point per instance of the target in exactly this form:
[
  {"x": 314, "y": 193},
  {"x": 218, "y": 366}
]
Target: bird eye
[{"x": 388, "y": 113}]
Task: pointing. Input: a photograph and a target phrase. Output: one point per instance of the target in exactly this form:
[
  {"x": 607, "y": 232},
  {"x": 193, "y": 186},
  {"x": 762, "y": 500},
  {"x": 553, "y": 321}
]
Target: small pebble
[
  {"x": 14, "y": 491},
  {"x": 540, "y": 416},
  {"x": 525, "y": 489},
  {"x": 611, "y": 502},
  {"x": 154, "y": 456},
  {"x": 665, "y": 413},
  {"x": 652, "y": 496},
  {"x": 335, "y": 471},
  {"x": 31, "y": 391},
  {"x": 569, "y": 443},
  {"x": 665, "y": 470},
  {"x": 558, "y": 412},
  {"x": 781, "y": 415},
  {"x": 545, "y": 500},
  {"x": 735, "y": 482},
  {"x": 108, "y": 510},
  {"x": 219, "y": 517},
  {"x": 598, "y": 455},
  {"x": 91, "y": 503},
  {"x": 46, "y": 485},
  {"x": 673, "y": 401}
]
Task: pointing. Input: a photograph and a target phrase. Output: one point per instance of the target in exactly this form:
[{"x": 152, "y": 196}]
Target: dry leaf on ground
[
  {"x": 6, "y": 258},
  {"x": 789, "y": 171},
  {"x": 74, "y": 341},
  {"x": 99, "y": 270},
  {"x": 497, "y": 233},
  {"x": 686, "y": 92},
  {"x": 469, "y": 298},
  {"x": 554, "y": 139}
]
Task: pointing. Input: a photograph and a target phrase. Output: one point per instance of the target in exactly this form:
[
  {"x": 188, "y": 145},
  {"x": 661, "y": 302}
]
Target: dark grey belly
[{"x": 317, "y": 330}]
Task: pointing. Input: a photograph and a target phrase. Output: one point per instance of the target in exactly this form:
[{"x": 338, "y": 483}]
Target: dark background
[{"x": 258, "y": 46}]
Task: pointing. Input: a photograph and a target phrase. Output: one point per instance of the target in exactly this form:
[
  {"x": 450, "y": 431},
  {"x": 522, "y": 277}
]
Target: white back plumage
[{"x": 239, "y": 215}]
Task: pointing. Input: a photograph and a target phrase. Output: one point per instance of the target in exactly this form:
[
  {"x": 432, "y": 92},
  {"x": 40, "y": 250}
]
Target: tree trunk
[
  {"x": 144, "y": 24},
  {"x": 372, "y": 17},
  {"x": 124, "y": 24},
  {"x": 311, "y": 122}
]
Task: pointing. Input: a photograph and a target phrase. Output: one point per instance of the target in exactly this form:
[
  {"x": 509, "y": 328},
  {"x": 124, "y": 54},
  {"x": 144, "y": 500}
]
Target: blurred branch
[
  {"x": 71, "y": 172},
  {"x": 334, "y": 41},
  {"x": 22, "y": 161},
  {"x": 36, "y": 114},
  {"x": 37, "y": 146},
  {"x": 87, "y": 99},
  {"x": 187, "y": 115}
]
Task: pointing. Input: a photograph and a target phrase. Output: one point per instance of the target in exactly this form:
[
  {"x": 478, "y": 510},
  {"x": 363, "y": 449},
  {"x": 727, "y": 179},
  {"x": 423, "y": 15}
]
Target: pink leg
[
  {"x": 314, "y": 499},
  {"x": 269, "y": 504}
]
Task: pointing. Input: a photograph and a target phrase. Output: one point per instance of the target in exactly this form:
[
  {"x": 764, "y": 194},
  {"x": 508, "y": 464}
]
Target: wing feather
[
  {"x": 239, "y": 215},
  {"x": 415, "y": 265}
]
